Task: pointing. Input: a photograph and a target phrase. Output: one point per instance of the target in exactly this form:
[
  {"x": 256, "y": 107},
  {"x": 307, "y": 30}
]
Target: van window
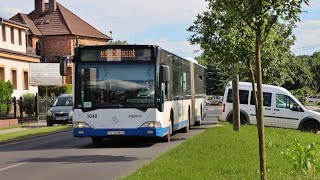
[
  {"x": 266, "y": 99},
  {"x": 284, "y": 101},
  {"x": 243, "y": 96}
]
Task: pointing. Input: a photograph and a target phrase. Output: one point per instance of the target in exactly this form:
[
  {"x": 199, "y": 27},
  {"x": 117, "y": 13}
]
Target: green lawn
[
  {"x": 221, "y": 153},
  {"x": 31, "y": 132},
  {"x": 10, "y": 127}
]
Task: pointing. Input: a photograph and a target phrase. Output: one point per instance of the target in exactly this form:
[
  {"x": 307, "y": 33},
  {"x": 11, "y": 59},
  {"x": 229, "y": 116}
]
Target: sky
[{"x": 162, "y": 22}]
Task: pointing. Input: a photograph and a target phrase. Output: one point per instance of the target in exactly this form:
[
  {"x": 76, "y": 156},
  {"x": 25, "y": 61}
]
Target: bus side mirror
[
  {"x": 164, "y": 71},
  {"x": 63, "y": 65}
]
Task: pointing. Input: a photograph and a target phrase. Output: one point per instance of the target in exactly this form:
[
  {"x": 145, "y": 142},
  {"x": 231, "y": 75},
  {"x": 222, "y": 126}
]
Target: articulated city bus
[{"x": 135, "y": 90}]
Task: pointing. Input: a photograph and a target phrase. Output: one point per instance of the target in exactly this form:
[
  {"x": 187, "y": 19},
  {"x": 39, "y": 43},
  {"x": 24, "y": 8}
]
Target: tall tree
[{"x": 245, "y": 19}]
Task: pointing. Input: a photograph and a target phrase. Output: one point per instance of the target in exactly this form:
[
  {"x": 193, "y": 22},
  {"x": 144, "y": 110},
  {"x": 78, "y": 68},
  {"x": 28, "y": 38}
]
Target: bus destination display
[{"x": 141, "y": 54}]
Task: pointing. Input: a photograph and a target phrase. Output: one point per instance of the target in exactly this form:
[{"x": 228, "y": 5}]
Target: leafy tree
[
  {"x": 235, "y": 23},
  {"x": 314, "y": 63}
]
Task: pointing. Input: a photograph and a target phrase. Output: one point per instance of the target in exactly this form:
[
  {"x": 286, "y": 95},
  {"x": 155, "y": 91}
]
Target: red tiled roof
[
  {"x": 24, "y": 19},
  {"x": 79, "y": 27},
  {"x": 60, "y": 22}
]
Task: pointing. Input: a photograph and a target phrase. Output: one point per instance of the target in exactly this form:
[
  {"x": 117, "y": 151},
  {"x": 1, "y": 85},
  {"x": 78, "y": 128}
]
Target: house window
[
  {"x": 12, "y": 35},
  {"x": 25, "y": 80},
  {"x": 4, "y": 37},
  {"x": 2, "y": 73},
  {"x": 14, "y": 78},
  {"x": 20, "y": 37}
]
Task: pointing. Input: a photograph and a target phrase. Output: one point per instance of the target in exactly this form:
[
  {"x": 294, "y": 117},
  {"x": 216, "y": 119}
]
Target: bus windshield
[{"x": 115, "y": 86}]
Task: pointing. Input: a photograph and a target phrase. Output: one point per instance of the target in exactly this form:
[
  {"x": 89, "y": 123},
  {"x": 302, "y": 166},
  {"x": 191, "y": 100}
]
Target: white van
[{"x": 280, "y": 107}]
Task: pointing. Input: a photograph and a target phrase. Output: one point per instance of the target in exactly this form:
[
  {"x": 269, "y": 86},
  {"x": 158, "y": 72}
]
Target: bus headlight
[
  {"x": 80, "y": 125},
  {"x": 151, "y": 124}
]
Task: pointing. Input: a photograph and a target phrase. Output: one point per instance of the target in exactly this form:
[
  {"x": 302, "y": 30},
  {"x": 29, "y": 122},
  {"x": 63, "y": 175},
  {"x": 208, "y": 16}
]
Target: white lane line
[{"x": 9, "y": 167}]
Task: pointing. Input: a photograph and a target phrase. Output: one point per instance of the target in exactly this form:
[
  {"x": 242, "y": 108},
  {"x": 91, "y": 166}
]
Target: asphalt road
[{"x": 61, "y": 156}]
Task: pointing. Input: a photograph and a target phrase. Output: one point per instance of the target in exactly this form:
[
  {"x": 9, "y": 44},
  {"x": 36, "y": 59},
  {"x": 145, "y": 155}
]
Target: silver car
[{"x": 61, "y": 112}]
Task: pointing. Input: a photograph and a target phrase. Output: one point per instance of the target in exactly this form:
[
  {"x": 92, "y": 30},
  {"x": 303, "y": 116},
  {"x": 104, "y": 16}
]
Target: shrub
[
  {"x": 304, "y": 158},
  {"x": 6, "y": 90},
  {"x": 56, "y": 90},
  {"x": 29, "y": 104}
]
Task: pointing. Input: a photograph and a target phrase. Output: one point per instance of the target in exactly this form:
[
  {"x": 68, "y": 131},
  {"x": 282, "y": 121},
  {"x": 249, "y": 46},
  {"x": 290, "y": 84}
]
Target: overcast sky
[{"x": 160, "y": 22}]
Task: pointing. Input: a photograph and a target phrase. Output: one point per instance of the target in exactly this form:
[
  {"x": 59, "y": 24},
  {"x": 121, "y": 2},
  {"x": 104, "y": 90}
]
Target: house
[
  {"x": 55, "y": 31},
  {"x": 15, "y": 58}
]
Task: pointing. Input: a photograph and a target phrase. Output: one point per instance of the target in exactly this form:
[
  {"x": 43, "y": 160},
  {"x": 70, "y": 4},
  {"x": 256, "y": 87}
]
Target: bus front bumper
[{"x": 143, "y": 132}]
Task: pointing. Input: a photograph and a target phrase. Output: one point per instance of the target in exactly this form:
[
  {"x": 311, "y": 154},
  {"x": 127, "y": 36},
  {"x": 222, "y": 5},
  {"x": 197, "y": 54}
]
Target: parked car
[
  {"x": 312, "y": 99},
  {"x": 61, "y": 111},
  {"x": 215, "y": 100}
]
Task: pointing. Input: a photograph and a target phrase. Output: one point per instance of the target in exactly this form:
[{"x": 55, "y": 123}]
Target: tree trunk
[
  {"x": 259, "y": 112},
  {"x": 235, "y": 100},
  {"x": 253, "y": 82}
]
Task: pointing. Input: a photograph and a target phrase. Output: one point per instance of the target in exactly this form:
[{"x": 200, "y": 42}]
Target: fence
[
  {"x": 44, "y": 104},
  {"x": 14, "y": 110}
]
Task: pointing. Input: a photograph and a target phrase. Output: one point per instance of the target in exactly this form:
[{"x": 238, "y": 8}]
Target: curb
[{"x": 33, "y": 136}]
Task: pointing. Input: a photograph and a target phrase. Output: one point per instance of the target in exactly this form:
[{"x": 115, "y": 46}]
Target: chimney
[
  {"x": 52, "y": 5},
  {"x": 39, "y": 6}
]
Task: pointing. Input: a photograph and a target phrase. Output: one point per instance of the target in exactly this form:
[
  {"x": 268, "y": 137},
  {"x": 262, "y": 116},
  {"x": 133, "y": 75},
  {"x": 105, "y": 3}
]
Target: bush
[
  {"x": 56, "y": 90},
  {"x": 303, "y": 158},
  {"x": 6, "y": 91},
  {"x": 29, "y": 104}
]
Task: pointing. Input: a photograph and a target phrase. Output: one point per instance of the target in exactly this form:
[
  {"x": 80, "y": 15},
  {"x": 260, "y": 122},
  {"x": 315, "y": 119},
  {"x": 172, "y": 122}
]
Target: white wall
[
  {"x": 19, "y": 66},
  {"x": 8, "y": 45}
]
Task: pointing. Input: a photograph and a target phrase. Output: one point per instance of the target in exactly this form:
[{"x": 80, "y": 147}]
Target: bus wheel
[
  {"x": 167, "y": 138},
  {"x": 97, "y": 140},
  {"x": 186, "y": 129},
  {"x": 310, "y": 126},
  {"x": 198, "y": 123}
]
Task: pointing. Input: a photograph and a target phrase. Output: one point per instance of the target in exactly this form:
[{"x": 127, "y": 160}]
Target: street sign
[{"x": 45, "y": 74}]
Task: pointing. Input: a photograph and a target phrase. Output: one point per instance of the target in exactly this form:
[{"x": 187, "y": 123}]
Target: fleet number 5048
[{"x": 92, "y": 115}]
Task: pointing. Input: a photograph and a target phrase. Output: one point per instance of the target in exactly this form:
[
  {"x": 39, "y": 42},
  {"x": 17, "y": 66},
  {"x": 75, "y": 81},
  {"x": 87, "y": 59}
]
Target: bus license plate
[{"x": 115, "y": 132}]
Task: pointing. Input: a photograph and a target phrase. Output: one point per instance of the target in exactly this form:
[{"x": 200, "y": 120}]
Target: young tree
[{"x": 233, "y": 28}]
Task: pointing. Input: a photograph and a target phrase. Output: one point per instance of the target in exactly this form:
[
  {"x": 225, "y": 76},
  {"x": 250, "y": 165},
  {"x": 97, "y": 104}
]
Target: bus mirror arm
[
  {"x": 164, "y": 72},
  {"x": 63, "y": 65}
]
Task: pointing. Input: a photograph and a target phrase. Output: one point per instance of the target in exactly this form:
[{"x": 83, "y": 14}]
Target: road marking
[{"x": 9, "y": 167}]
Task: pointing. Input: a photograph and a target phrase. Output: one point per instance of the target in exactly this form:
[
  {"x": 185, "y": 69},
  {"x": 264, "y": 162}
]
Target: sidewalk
[{"x": 25, "y": 126}]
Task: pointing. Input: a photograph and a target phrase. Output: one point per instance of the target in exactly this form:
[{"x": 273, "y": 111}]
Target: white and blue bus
[{"x": 135, "y": 90}]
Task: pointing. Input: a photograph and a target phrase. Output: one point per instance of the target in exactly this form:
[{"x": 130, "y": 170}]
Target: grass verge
[
  {"x": 31, "y": 132},
  {"x": 10, "y": 127},
  {"x": 221, "y": 153}
]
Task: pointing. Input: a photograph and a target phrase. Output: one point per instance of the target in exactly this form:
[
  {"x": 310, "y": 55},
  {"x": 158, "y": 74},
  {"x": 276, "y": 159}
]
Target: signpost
[{"x": 45, "y": 74}]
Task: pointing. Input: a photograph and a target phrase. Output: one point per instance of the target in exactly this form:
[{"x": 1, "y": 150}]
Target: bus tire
[
  {"x": 167, "y": 138},
  {"x": 186, "y": 128},
  {"x": 310, "y": 126},
  {"x": 97, "y": 140},
  {"x": 198, "y": 123}
]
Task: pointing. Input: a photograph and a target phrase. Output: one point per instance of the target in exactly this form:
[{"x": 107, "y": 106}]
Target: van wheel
[
  {"x": 310, "y": 126},
  {"x": 243, "y": 119}
]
